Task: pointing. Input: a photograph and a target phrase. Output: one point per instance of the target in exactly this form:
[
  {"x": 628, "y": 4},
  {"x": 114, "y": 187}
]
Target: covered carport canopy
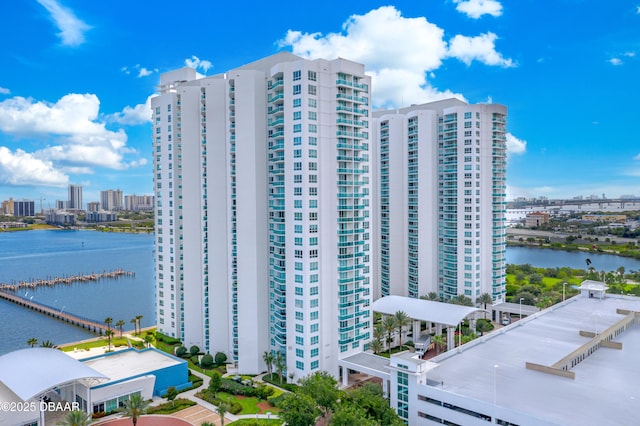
[
  {"x": 446, "y": 314},
  {"x": 31, "y": 373}
]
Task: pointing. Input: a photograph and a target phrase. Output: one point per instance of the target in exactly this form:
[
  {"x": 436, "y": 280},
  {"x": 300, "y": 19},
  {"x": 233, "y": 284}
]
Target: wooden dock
[
  {"x": 68, "y": 279},
  {"x": 86, "y": 323}
]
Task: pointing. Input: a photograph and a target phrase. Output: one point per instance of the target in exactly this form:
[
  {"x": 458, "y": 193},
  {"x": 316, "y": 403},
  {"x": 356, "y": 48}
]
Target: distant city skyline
[{"x": 77, "y": 77}]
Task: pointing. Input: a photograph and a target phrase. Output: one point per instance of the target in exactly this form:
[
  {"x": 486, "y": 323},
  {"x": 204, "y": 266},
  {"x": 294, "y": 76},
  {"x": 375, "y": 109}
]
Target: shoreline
[{"x": 100, "y": 337}]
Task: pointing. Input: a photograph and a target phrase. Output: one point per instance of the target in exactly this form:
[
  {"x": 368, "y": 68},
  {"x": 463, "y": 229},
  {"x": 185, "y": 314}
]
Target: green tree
[
  {"x": 148, "y": 338},
  {"x": 462, "y": 300},
  {"x": 298, "y": 410},
  {"x": 194, "y": 350},
  {"x": 485, "y": 299},
  {"x": 108, "y": 321},
  {"x": 347, "y": 414},
  {"x": 171, "y": 394},
  {"x": 109, "y": 334},
  {"x": 268, "y": 358},
  {"x": 376, "y": 346},
  {"x": 369, "y": 397},
  {"x": 221, "y": 358},
  {"x": 32, "y": 342},
  {"x": 139, "y": 322},
  {"x": 48, "y": 344},
  {"x": 322, "y": 387},
  {"x": 440, "y": 342},
  {"x": 120, "y": 324},
  {"x": 215, "y": 382},
  {"x": 222, "y": 409},
  {"x": 135, "y": 407},
  {"x": 206, "y": 361},
  {"x": 389, "y": 324},
  {"x": 483, "y": 326},
  {"x": 76, "y": 418},
  {"x": 280, "y": 363},
  {"x": 134, "y": 321},
  {"x": 432, "y": 295},
  {"x": 401, "y": 320}
]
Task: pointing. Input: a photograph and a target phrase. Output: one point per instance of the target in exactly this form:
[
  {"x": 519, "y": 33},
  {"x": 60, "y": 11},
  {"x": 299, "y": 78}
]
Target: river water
[
  {"x": 28, "y": 255},
  {"x": 42, "y": 254}
]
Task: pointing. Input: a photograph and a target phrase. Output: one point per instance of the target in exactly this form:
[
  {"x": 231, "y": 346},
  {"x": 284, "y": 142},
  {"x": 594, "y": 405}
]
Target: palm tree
[
  {"x": 268, "y": 359},
  {"x": 440, "y": 342},
  {"x": 76, "y": 418},
  {"x": 223, "y": 407},
  {"x": 134, "y": 321},
  {"x": 108, "y": 321},
  {"x": 461, "y": 299},
  {"x": 402, "y": 320},
  {"x": 48, "y": 344},
  {"x": 376, "y": 346},
  {"x": 120, "y": 324},
  {"x": 280, "y": 364},
  {"x": 32, "y": 342},
  {"x": 138, "y": 318},
  {"x": 432, "y": 295},
  {"x": 389, "y": 325},
  {"x": 379, "y": 332},
  {"x": 135, "y": 407},
  {"x": 485, "y": 298},
  {"x": 109, "y": 333}
]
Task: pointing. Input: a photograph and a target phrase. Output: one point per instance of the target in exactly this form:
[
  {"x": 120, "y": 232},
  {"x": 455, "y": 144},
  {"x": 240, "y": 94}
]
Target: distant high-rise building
[
  {"x": 75, "y": 197},
  {"x": 94, "y": 206},
  {"x": 111, "y": 200},
  {"x": 441, "y": 207},
  {"x": 24, "y": 208},
  {"x": 61, "y": 204},
  {"x": 138, "y": 202},
  {"x": 263, "y": 211},
  {"x": 7, "y": 207}
]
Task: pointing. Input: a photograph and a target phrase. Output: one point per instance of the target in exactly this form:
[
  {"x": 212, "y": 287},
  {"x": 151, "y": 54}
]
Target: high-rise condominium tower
[
  {"x": 111, "y": 199},
  {"x": 262, "y": 211},
  {"x": 75, "y": 197},
  {"x": 440, "y": 171}
]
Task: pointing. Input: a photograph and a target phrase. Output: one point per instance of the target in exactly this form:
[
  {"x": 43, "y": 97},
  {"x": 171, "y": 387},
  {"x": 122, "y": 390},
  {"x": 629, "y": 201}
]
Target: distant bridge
[{"x": 86, "y": 323}]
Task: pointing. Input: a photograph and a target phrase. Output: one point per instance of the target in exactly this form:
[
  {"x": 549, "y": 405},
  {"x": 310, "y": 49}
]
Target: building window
[
  {"x": 297, "y": 102},
  {"x": 312, "y": 89},
  {"x": 297, "y": 115},
  {"x": 297, "y": 75},
  {"x": 312, "y": 75},
  {"x": 300, "y": 365},
  {"x": 297, "y": 89}
]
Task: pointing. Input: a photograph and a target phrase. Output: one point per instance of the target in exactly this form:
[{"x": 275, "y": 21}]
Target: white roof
[
  {"x": 605, "y": 390},
  {"x": 424, "y": 310},
  {"x": 34, "y": 371},
  {"x": 129, "y": 363},
  {"x": 593, "y": 285}
]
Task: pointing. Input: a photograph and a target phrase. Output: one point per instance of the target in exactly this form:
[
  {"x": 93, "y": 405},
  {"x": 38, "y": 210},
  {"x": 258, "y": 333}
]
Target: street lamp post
[
  {"x": 563, "y": 285},
  {"x": 521, "y": 299}
]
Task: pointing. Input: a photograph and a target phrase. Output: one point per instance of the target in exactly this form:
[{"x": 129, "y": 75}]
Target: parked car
[{"x": 506, "y": 321}]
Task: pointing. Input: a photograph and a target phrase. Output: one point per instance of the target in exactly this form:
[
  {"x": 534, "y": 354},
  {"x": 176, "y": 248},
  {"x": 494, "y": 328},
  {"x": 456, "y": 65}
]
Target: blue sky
[{"x": 76, "y": 76}]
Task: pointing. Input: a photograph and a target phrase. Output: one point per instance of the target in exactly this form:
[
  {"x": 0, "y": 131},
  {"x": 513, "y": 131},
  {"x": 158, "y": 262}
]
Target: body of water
[
  {"x": 548, "y": 258},
  {"x": 43, "y": 254},
  {"x": 30, "y": 255}
]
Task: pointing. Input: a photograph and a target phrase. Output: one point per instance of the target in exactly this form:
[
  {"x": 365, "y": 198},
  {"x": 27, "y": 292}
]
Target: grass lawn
[
  {"x": 116, "y": 341},
  {"x": 258, "y": 422},
  {"x": 249, "y": 404}
]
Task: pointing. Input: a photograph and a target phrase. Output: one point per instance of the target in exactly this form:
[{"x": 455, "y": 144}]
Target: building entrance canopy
[{"x": 424, "y": 310}]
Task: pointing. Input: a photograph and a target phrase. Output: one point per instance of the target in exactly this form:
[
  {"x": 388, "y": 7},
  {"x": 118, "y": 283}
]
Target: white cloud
[
  {"x": 637, "y": 157},
  {"x": 70, "y": 129},
  {"x": 22, "y": 168},
  {"x": 477, "y": 8},
  {"x": 139, "y": 114},
  {"x": 399, "y": 53},
  {"x": 197, "y": 63},
  {"x": 144, "y": 72},
  {"x": 615, "y": 61},
  {"x": 480, "y": 48},
  {"x": 515, "y": 146},
  {"x": 71, "y": 28},
  {"x": 630, "y": 54},
  {"x": 4, "y": 91}
]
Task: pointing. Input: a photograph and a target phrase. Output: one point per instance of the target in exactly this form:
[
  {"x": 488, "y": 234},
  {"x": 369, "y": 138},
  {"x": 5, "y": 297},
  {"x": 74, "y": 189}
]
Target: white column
[
  {"x": 345, "y": 376},
  {"x": 416, "y": 330},
  {"x": 451, "y": 338}
]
